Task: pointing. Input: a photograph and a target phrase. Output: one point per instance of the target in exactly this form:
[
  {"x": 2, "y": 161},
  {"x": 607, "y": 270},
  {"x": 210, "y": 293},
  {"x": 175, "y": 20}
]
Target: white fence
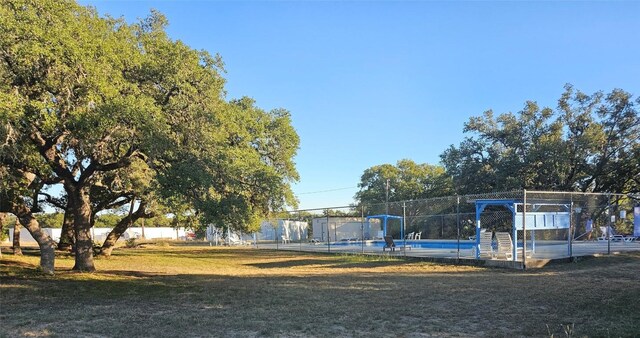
[{"x": 100, "y": 234}]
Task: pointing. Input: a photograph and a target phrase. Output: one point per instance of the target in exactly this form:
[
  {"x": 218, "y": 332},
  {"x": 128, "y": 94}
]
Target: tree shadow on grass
[
  {"x": 337, "y": 262},
  {"x": 317, "y": 305},
  {"x": 216, "y": 252},
  {"x": 15, "y": 264},
  {"x": 291, "y": 263},
  {"x": 483, "y": 302}
]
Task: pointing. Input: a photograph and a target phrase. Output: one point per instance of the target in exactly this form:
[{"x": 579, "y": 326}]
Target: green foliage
[
  {"x": 107, "y": 220},
  {"x": 407, "y": 181},
  {"x": 237, "y": 180},
  {"x": 123, "y": 112},
  {"x": 160, "y": 220},
  {"x": 7, "y": 220},
  {"x": 590, "y": 143},
  {"x": 50, "y": 220}
]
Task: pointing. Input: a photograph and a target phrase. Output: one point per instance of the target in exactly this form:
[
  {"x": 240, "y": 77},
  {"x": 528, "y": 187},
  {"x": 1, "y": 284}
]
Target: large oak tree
[{"x": 97, "y": 101}]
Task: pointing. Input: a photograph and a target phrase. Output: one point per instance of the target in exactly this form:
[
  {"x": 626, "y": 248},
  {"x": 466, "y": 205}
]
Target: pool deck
[{"x": 545, "y": 252}]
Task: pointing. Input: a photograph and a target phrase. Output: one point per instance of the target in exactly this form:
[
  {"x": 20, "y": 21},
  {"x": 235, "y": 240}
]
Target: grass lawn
[{"x": 201, "y": 291}]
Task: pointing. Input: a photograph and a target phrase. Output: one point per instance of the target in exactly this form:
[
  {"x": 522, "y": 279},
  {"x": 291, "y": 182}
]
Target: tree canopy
[
  {"x": 116, "y": 111},
  {"x": 589, "y": 143},
  {"x": 404, "y": 181}
]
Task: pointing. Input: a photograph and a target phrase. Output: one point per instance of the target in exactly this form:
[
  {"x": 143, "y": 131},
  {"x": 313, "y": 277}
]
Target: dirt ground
[{"x": 202, "y": 291}]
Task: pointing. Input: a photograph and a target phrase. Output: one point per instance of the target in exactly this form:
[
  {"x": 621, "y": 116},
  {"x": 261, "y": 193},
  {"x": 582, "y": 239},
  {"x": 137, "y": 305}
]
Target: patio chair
[
  {"x": 418, "y": 235},
  {"x": 604, "y": 234},
  {"x": 286, "y": 239},
  {"x": 505, "y": 246},
  {"x": 486, "y": 244},
  {"x": 391, "y": 245},
  {"x": 473, "y": 238},
  {"x": 234, "y": 239},
  {"x": 620, "y": 237},
  {"x": 409, "y": 235},
  {"x": 609, "y": 233}
]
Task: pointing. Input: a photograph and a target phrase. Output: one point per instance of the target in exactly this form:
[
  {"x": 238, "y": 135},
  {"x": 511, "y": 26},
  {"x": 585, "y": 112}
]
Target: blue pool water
[{"x": 419, "y": 244}]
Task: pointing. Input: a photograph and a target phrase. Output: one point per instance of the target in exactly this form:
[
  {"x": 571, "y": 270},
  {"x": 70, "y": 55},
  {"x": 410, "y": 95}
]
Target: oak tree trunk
[
  {"x": 45, "y": 242},
  {"x": 114, "y": 235},
  {"x": 17, "y": 250},
  {"x": 67, "y": 237},
  {"x": 24, "y": 218},
  {"x": 81, "y": 210},
  {"x": 120, "y": 228},
  {"x": 3, "y": 217}
]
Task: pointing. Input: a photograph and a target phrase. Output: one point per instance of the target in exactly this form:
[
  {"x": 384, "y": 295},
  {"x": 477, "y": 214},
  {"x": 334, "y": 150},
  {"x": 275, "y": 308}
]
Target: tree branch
[
  {"x": 124, "y": 161},
  {"x": 46, "y": 148},
  {"x": 56, "y": 202}
]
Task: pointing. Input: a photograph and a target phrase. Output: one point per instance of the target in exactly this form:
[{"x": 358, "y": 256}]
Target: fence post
[
  {"x": 404, "y": 226},
  {"x": 571, "y": 229},
  {"x": 524, "y": 230},
  {"x": 300, "y": 230},
  {"x": 386, "y": 210},
  {"x": 477, "y": 227},
  {"x": 608, "y": 228},
  {"x": 328, "y": 232},
  {"x": 288, "y": 232},
  {"x": 362, "y": 227},
  {"x": 458, "y": 224}
]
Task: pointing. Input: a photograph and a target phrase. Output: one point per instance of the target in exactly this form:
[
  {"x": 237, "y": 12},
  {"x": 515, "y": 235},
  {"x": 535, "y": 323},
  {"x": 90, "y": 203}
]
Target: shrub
[{"x": 130, "y": 243}]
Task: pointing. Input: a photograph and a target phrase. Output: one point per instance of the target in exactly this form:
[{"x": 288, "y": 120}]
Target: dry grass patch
[{"x": 204, "y": 291}]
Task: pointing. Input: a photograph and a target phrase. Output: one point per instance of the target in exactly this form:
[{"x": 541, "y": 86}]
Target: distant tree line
[
  {"x": 105, "y": 220},
  {"x": 588, "y": 143}
]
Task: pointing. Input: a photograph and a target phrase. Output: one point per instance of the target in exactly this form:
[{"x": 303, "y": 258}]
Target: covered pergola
[
  {"x": 530, "y": 220},
  {"x": 384, "y": 219}
]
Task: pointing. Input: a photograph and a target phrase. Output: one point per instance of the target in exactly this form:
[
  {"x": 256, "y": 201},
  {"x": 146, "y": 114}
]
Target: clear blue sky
[{"x": 369, "y": 83}]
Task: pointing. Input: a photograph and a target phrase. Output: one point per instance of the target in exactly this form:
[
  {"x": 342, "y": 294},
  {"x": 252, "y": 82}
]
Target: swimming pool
[{"x": 418, "y": 244}]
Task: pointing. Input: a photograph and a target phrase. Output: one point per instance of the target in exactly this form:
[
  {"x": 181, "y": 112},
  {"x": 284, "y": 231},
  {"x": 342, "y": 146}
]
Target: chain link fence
[{"x": 516, "y": 226}]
